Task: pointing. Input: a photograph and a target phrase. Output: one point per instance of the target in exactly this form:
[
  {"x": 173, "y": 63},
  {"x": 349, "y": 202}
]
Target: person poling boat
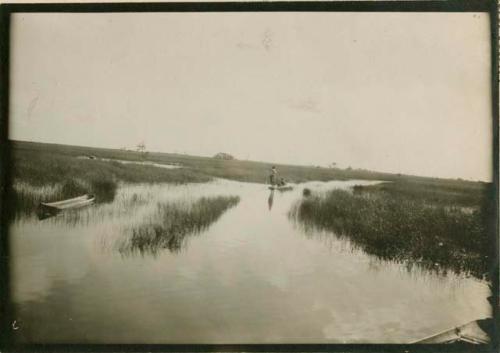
[{"x": 277, "y": 184}]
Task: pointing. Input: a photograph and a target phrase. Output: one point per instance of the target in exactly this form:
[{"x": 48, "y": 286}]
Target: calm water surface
[{"x": 252, "y": 277}]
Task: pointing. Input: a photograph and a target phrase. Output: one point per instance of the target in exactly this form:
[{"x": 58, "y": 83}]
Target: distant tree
[
  {"x": 141, "y": 147},
  {"x": 222, "y": 155}
]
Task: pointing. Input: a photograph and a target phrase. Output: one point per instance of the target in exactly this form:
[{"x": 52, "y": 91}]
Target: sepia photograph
[{"x": 249, "y": 177}]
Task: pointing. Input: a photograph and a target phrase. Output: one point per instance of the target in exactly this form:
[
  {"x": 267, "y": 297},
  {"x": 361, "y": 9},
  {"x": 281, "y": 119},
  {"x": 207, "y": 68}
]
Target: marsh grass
[
  {"x": 194, "y": 168},
  {"x": 44, "y": 176},
  {"x": 431, "y": 192},
  {"x": 172, "y": 222},
  {"x": 43, "y": 164},
  {"x": 104, "y": 190},
  {"x": 401, "y": 228},
  {"x": 42, "y": 167}
]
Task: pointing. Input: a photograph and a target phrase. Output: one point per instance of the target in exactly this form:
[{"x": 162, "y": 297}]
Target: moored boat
[{"x": 48, "y": 209}]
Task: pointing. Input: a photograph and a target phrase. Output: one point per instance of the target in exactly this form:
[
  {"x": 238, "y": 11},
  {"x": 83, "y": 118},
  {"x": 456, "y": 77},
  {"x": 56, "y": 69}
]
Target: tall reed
[{"x": 403, "y": 229}]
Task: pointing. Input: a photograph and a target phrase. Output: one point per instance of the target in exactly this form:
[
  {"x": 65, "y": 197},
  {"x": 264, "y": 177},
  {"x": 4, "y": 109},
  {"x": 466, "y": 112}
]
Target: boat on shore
[{"x": 48, "y": 209}]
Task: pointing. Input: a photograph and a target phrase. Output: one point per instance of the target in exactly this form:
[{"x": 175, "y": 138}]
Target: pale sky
[{"x": 396, "y": 92}]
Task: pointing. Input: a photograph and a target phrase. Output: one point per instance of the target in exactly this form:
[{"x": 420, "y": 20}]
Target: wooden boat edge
[
  {"x": 458, "y": 334},
  {"x": 75, "y": 202},
  {"x": 62, "y": 203}
]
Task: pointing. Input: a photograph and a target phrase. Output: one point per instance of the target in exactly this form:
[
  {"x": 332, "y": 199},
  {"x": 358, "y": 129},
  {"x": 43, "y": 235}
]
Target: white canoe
[{"x": 75, "y": 202}]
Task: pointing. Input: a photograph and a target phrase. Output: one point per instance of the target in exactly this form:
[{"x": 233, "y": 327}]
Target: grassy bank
[
  {"x": 44, "y": 170},
  {"x": 41, "y": 174},
  {"x": 434, "y": 192},
  {"x": 40, "y": 166},
  {"x": 439, "y": 230},
  {"x": 172, "y": 222},
  {"x": 26, "y": 155}
]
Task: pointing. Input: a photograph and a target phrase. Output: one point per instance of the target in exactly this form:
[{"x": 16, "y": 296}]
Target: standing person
[{"x": 272, "y": 176}]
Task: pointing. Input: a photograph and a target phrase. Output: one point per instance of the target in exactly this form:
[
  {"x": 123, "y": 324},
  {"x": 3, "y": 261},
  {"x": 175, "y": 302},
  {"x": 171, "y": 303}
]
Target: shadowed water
[{"x": 250, "y": 276}]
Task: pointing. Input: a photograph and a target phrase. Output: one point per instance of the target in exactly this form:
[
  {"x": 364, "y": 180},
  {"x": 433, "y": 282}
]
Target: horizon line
[{"x": 261, "y": 161}]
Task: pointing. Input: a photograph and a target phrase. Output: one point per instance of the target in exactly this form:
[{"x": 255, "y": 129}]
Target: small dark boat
[{"x": 48, "y": 209}]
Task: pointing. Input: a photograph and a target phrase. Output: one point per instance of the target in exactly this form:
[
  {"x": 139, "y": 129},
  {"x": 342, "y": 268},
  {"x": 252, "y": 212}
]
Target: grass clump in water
[
  {"x": 400, "y": 228},
  {"x": 173, "y": 222}
]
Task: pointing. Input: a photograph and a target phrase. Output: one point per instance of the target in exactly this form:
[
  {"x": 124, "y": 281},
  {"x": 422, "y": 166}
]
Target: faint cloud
[
  {"x": 267, "y": 40},
  {"x": 243, "y": 45},
  {"x": 309, "y": 105}
]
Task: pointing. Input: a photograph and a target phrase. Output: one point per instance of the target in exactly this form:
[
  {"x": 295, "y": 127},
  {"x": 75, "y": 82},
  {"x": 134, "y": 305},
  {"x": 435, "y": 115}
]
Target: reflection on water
[
  {"x": 249, "y": 277},
  {"x": 270, "y": 200}
]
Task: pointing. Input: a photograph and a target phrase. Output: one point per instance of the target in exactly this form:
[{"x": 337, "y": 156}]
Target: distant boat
[
  {"x": 48, "y": 209},
  {"x": 281, "y": 188}
]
